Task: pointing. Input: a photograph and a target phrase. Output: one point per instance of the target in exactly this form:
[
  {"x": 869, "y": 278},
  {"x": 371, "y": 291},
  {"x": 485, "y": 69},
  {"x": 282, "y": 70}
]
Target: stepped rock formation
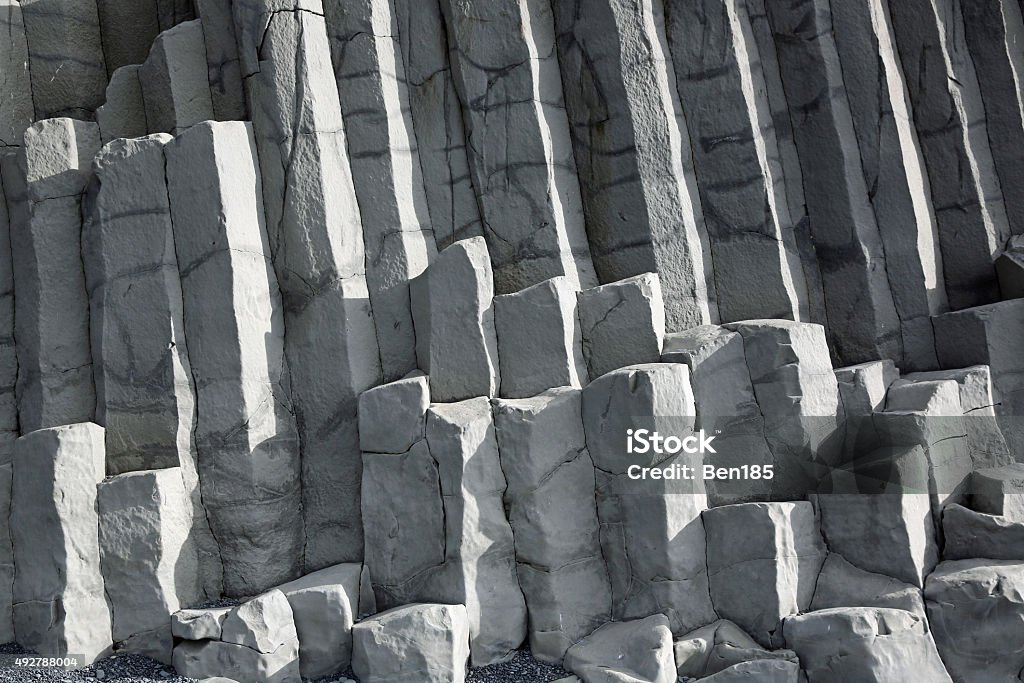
[{"x": 389, "y": 338}]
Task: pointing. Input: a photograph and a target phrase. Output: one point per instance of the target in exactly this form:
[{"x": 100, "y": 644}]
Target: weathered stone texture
[
  {"x": 224, "y": 73},
  {"x": 16, "y": 109},
  {"x": 639, "y": 650},
  {"x": 13, "y": 215},
  {"x": 123, "y": 114},
  {"x": 174, "y": 81},
  {"x": 413, "y": 644}
]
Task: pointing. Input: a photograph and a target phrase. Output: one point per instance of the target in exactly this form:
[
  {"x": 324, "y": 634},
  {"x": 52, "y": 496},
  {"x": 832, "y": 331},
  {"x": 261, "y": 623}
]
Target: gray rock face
[
  {"x": 128, "y": 28},
  {"x": 550, "y": 503},
  {"x": 641, "y": 200},
  {"x": 772, "y": 550},
  {"x": 986, "y": 594},
  {"x": 721, "y": 646},
  {"x": 65, "y": 53},
  {"x": 13, "y": 217},
  {"x": 638, "y": 650},
  {"x": 652, "y": 535},
  {"x": 622, "y": 323},
  {"x": 750, "y": 226},
  {"x": 506, "y": 74},
  {"x": 539, "y": 340},
  {"x": 212, "y": 658},
  {"x": 761, "y": 670},
  {"x": 55, "y": 383},
  {"x": 452, "y": 308},
  {"x": 149, "y": 561},
  {"x": 949, "y": 115},
  {"x": 840, "y": 584},
  {"x": 412, "y": 644},
  {"x": 316, "y": 241},
  {"x": 174, "y": 80},
  {"x": 999, "y": 491},
  {"x": 123, "y": 114},
  {"x": 6, "y": 555},
  {"x": 224, "y": 72},
  {"x": 245, "y": 434},
  {"x": 16, "y": 109},
  {"x": 864, "y": 644},
  {"x": 262, "y": 624},
  {"x": 59, "y": 602},
  {"x": 324, "y": 606},
  {"x": 969, "y": 534},
  {"x": 846, "y": 236},
  {"x": 199, "y": 624},
  {"x": 392, "y": 417},
  {"x": 385, "y": 168}
]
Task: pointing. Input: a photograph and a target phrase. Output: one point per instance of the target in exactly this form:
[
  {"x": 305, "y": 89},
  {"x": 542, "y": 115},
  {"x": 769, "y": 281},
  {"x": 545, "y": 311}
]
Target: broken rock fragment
[
  {"x": 622, "y": 651},
  {"x": 418, "y": 643}
]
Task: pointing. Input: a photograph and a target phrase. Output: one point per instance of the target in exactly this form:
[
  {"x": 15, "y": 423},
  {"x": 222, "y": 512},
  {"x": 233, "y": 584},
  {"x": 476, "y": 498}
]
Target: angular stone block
[
  {"x": 392, "y": 417},
  {"x": 174, "y": 80},
  {"x": 55, "y": 383},
  {"x": 59, "y": 602},
  {"x": 968, "y": 534},
  {"x": 324, "y": 605},
  {"x": 412, "y": 644},
  {"x": 750, "y": 227},
  {"x": 763, "y": 563},
  {"x": 550, "y": 503},
  {"x": 622, "y": 323},
  {"x": 631, "y": 650},
  {"x": 642, "y": 205},
  {"x": 975, "y": 609},
  {"x": 505, "y": 68},
  {"x": 149, "y": 562},
  {"x": 385, "y": 168},
  {"x": 208, "y": 659},
  {"x": 539, "y": 339},
  {"x": 840, "y": 584},
  {"x": 316, "y": 241},
  {"x": 999, "y": 491},
  {"x": 16, "y": 109},
  {"x": 65, "y": 53},
  {"x": 452, "y": 306},
  {"x": 123, "y": 114},
  {"x": 437, "y": 115},
  {"x": 864, "y": 644},
  {"x": 719, "y": 646},
  {"x": 245, "y": 433},
  {"x": 199, "y": 624},
  {"x": 863, "y": 387}
]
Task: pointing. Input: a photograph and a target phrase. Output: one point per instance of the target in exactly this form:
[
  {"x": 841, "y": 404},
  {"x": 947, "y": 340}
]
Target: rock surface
[
  {"x": 624, "y": 651},
  {"x": 415, "y": 644}
]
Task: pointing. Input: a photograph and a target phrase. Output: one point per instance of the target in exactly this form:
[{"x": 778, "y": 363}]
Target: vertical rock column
[
  {"x": 16, "y": 110},
  {"x": 507, "y": 76},
  {"x": 245, "y": 433},
  {"x": 60, "y": 606},
  {"x": 13, "y": 209},
  {"x": 385, "y": 168},
  {"x": 175, "y": 88},
  {"x": 893, "y": 172},
  {"x": 950, "y": 118},
  {"x": 223, "y": 71},
  {"x": 144, "y": 381},
  {"x": 69, "y": 74},
  {"x": 437, "y": 115},
  {"x": 757, "y": 268},
  {"x": 863, "y": 323},
  {"x": 317, "y": 245},
  {"x": 55, "y": 384},
  {"x": 127, "y": 29},
  {"x": 643, "y": 207}
]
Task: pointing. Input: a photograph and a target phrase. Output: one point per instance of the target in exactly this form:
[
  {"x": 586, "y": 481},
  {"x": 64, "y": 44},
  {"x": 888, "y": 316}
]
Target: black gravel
[{"x": 522, "y": 668}]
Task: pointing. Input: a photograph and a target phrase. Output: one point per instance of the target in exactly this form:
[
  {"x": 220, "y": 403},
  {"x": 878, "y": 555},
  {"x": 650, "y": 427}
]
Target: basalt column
[
  {"x": 507, "y": 76},
  {"x": 643, "y": 207},
  {"x": 16, "y": 110},
  {"x": 316, "y": 240}
]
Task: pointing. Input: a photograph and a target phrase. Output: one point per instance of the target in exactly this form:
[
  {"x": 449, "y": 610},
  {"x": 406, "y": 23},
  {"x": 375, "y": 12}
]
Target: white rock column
[
  {"x": 245, "y": 433},
  {"x": 507, "y": 76},
  {"x": 16, "y": 108},
  {"x": 55, "y": 383},
  {"x": 950, "y": 116},
  {"x": 145, "y": 389},
  {"x": 757, "y": 266},
  {"x": 385, "y": 168},
  {"x": 437, "y": 115},
  {"x": 642, "y": 205},
  {"x": 59, "y": 602},
  {"x": 316, "y": 241}
]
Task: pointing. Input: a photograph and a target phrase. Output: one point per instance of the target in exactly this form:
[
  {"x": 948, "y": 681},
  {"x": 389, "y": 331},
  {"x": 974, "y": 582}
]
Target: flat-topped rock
[
  {"x": 174, "y": 81},
  {"x": 412, "y": 644}
]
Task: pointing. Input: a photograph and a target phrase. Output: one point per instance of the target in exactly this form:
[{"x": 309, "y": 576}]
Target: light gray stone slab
[
  {"x": 174, "y": 80},
  {"x": 419, "y": 643},
  {"x": 16, "y": 109},
  {"x": 245, "y": 434},
  {"x": 59, "y": 602},
  {"x": 506, "y": 73},
  {"x": 632, "y": 149}
]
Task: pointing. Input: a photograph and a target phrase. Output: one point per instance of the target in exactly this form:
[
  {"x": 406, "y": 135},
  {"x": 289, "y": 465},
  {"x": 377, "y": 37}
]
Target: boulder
[
  {"x": 212, "y": 658},
  {"x": 763, "y": 563},
  {"x": 417, "y": 643},
  {"x": 539, "y": 341},
  {"x": 719, "y": 646},
  {"x": 59, "y": 602},
  {"x": 639, "y": 650},
  {"x": 550, "y": 504},
  {"x": 123, "y": 114},
  {"x": 622, "y": 323},
  {"x": 148, "y": 557},
  {"x": 976, "y": 611},
  {"x": 840, "y": 584},
  {"x": 245, "y": 434},
  {"x": 999, "y": 491},
  {"x": 324, "y": 606},
  {"x": 392, "y": 417},
  {"x": 864, "y": 645},
  {"x": 633, "y": 153},
  {"x": 504, "y": 64},
  {"x": 456, "y": 342},
  {"x": 199, "y": 624},
  {"x": 263, "y": 624},
  {"x": 969, "y": 534}
]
